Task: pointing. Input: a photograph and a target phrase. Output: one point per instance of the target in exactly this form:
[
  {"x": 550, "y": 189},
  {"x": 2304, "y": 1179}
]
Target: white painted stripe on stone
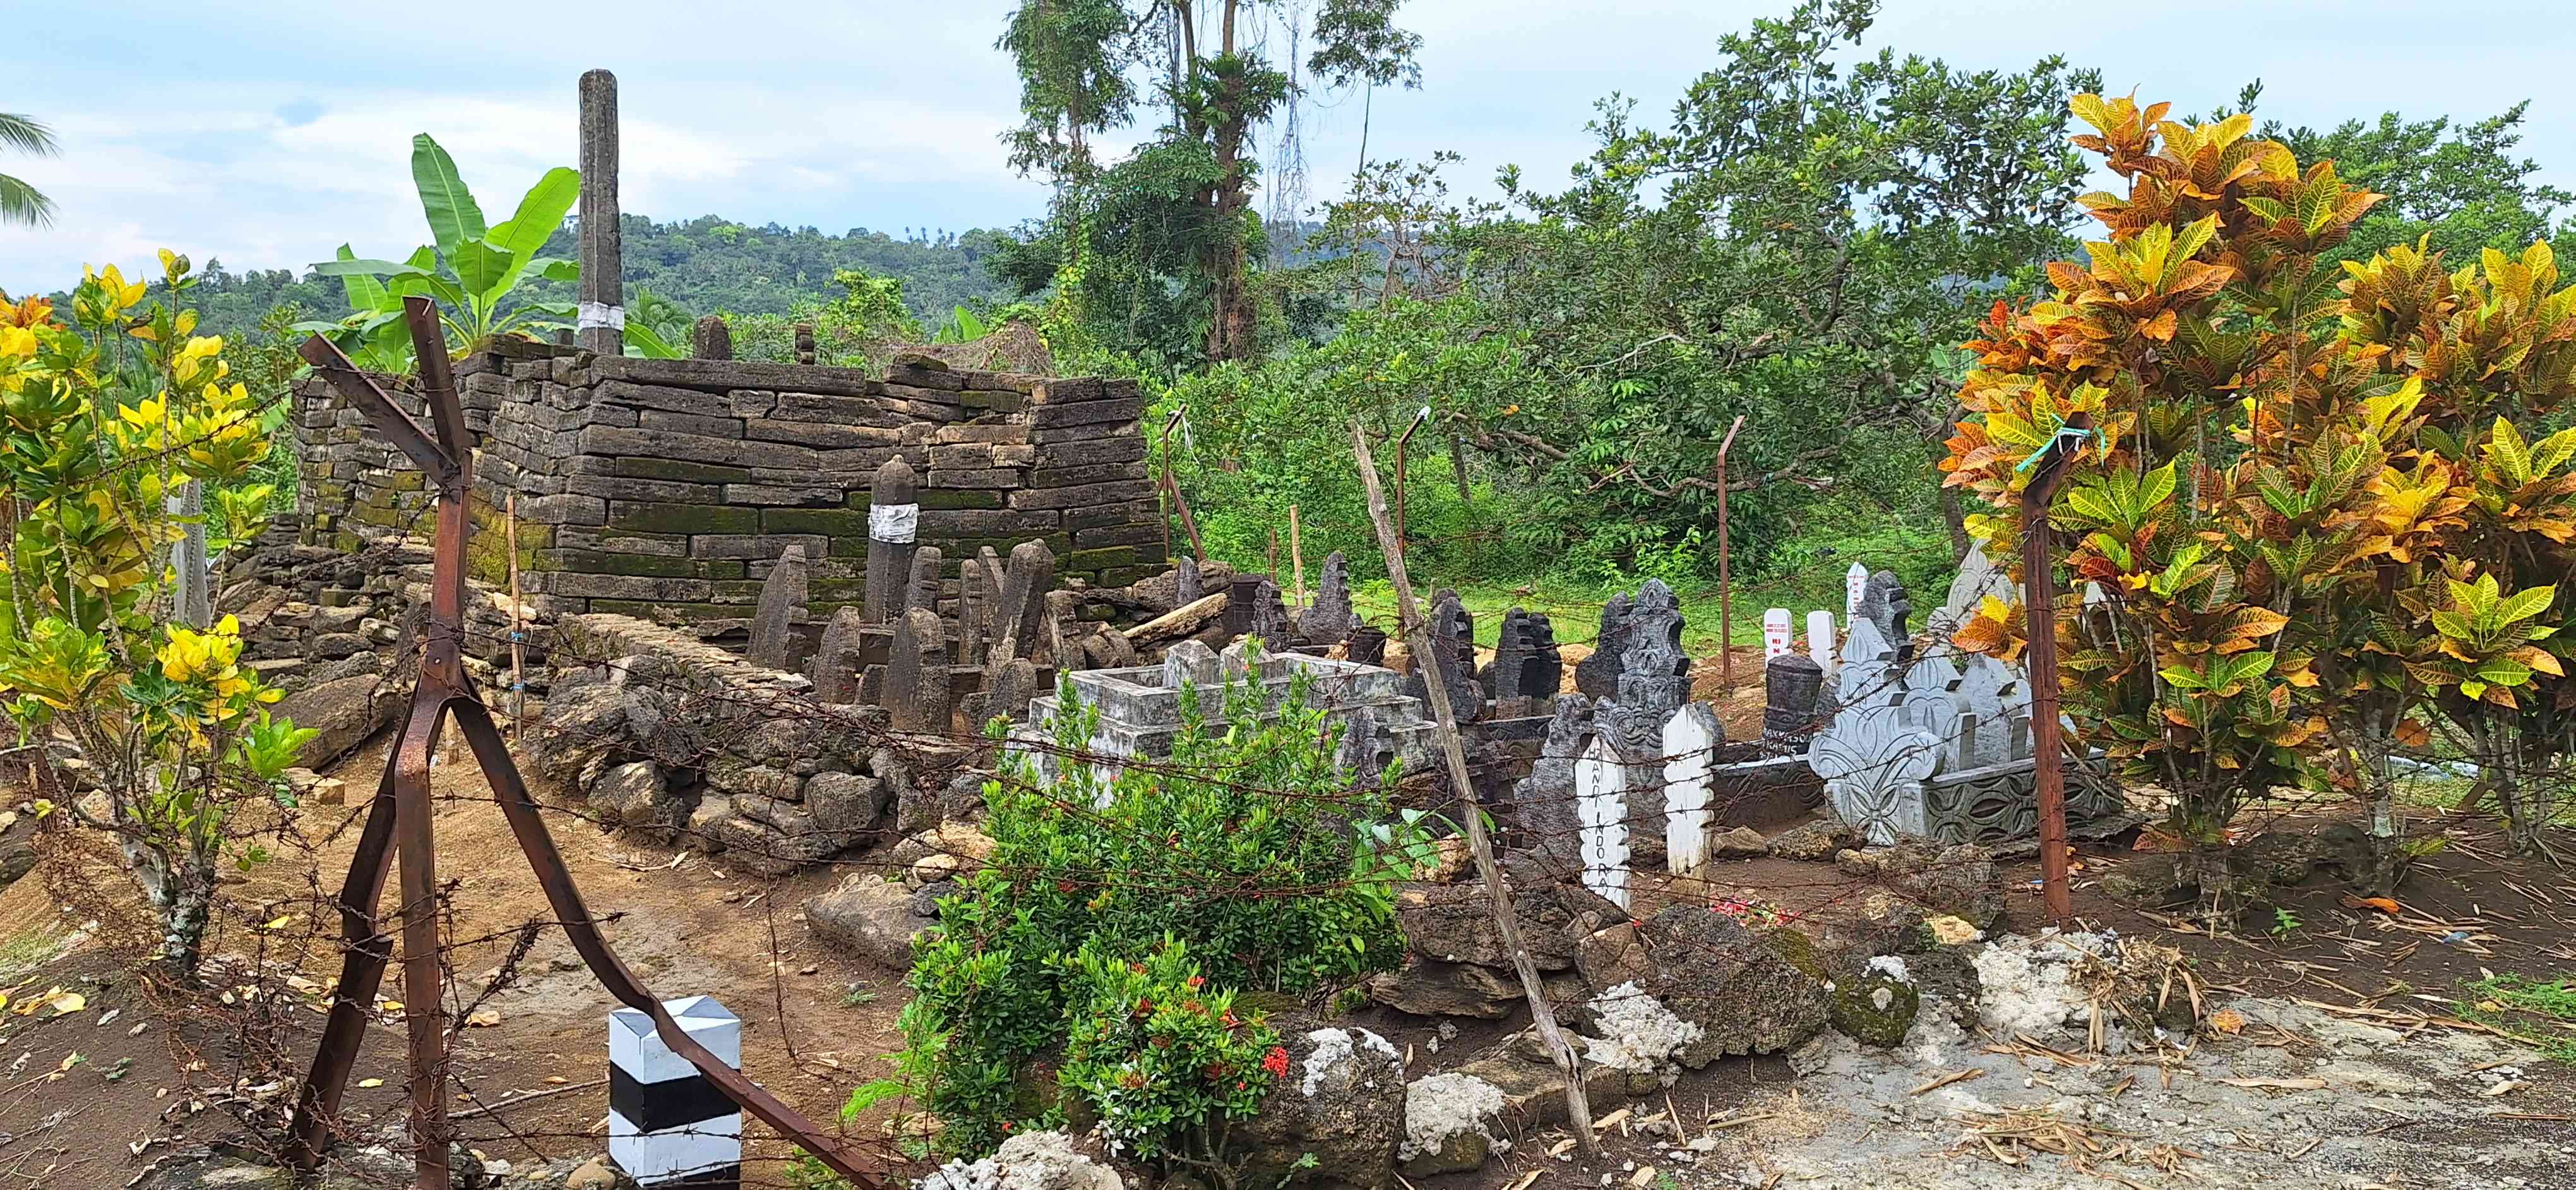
[
  {"x": 651, "y": 1157},
  {"x": 593, "y": 315},
  {"x": 896, "y": 523},
  {"x": 635, "y": 1048}
]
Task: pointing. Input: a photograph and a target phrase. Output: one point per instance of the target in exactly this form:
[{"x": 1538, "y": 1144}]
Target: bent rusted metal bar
[
  {"x": 475, "y": 722},
  {"x": 401, "y": 821},
  {"x": 2039, "y": 602},
  {"x": 396, "y": 425},
  {"x": 365, "y": 950}
]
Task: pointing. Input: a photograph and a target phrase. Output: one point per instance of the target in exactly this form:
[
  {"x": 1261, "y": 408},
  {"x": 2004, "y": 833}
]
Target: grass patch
[
  {"x": 27, "y": 951},
  {"x": 2539, "y": 1014}
]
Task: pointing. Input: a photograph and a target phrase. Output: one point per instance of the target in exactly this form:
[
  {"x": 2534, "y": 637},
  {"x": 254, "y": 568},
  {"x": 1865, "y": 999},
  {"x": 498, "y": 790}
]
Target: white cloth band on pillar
[
  {"x": 893, "y": 522},
  {"x": 599, "y": 314}
]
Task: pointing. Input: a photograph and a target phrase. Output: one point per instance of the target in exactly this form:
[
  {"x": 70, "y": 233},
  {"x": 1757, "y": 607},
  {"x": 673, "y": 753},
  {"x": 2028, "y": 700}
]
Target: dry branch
[{"x": 1445, "y": 722}]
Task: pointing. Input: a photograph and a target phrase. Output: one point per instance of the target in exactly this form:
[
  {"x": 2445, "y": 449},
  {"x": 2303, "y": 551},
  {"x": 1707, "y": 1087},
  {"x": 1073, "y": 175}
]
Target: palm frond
[
  {"x": 26, "y": 135},
  {"x": 23, "y": 204}
]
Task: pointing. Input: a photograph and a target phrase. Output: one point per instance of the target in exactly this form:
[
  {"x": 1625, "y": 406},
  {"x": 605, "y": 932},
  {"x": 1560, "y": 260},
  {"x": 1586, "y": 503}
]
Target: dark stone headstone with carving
[
  {"x": 1367, "y": 645},
  {"x": 1526, "y": 663},
  {"x": 916, "y": 680},
  {"x": 1597, "y": 676},
  {"x": 923, "y": 589},
  {"x": 782, "y": 604},
  {"x": 1269, "y": 615},
  {"x": 1187, "y": 586},
  {"x": 1542, "y": 803},
  {"x": 894, "y": 519},
  {"x": 1453, "y": 649},
  {"x": 1654, "y": 673},
  {"x": 1791, "y": 684},
  {"x": 1886, "y": 603},
  {"x": 1329, "y": 619},
  {"x": 835, "y": 668}
]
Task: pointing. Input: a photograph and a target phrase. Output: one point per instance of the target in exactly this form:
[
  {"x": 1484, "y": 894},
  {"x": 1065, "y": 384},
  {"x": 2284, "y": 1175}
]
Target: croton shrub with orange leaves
[{"x": 2320, "y": 504}]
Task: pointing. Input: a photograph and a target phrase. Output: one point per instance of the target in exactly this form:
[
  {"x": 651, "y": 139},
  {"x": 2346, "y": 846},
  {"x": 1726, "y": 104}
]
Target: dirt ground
[
  {"x": 683, "y": 929},
  {"x": 2356, "y": 996}
]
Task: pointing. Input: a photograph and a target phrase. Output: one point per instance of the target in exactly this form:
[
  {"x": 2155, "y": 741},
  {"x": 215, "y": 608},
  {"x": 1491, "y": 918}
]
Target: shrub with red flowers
[
  {"x": 1247, "y": 860},
  {"x": 1167, "y": 1068}
]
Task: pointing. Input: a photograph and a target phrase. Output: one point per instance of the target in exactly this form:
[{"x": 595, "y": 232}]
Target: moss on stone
[{"x": 1875, "y": 1009}]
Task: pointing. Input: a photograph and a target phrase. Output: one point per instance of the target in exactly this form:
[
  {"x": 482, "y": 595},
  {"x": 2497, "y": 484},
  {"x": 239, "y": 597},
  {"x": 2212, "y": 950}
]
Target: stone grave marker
[
  {"x": 1775, "y": 633},
  {"x": 782, "y": 604},
  {"x": 1690, "y": 753},
  {"x": 916, "y": 679},
  {"x": 894, "y": 521}
]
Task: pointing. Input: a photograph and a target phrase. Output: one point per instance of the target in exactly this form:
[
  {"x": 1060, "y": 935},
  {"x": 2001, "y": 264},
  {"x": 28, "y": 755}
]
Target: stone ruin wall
[{"x": 666, "y": 489}]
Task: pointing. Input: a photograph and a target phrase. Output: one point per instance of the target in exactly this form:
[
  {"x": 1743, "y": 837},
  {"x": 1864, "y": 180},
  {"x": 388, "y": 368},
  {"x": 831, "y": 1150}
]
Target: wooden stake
[
  {"x": 1297, "y": 556},
  {"x": 2039, "y": 610},
  {"x": 518, "y": 624},
  {"x": 1417, "y": 637},
  {"x": 1725, "y": 580}
]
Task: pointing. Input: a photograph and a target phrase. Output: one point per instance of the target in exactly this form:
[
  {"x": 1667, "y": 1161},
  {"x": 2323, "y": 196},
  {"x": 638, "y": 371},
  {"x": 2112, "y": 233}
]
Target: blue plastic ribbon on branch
[{"x": 2078, "y": 433}]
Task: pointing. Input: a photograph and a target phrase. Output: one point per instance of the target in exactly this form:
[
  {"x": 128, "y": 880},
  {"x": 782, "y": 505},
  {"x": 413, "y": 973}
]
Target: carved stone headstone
[
  {"x": 1526, "y": 662},
  {"x": 1885, "y": 603},
  {"x": 1453, "y": 649},
  {"x": 1543, "y": 802},
  {"x": 1978, "y": 578},
  {"x": 1187, "y": 586},
  {"x": 894, "y": 520},
  {"x": 835, "y": 668},
  {"x": 1775, "y": 632},
  {"x": 1020, "y": 615},
  {"x": 1790, "y": 683},
  {"x": 1654, "y": 673},
  {"x": 923, "y": 589},
  {"x": 1855, "y": 584},
  {"x": 782, "y": 604},
  {"x": 805, "y": 343},
  {"x": 1189, "y": 662},
  {"x": 1269, "y": 619},
  {"x": 1597, "y": 676},
  {"x": 711, "y": 339},
  {"x": 916, "y": 680},
  {"x": 1820, "y": 638},
  {"x": 1601, "y": 805},
  {"x": 1330, "y": 619}
]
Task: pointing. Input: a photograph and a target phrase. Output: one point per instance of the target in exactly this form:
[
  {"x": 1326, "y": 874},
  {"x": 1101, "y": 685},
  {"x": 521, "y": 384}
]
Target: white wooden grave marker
[
  {"x": 1690, "y": 752},
  {"x": 1601, "y": 806}
]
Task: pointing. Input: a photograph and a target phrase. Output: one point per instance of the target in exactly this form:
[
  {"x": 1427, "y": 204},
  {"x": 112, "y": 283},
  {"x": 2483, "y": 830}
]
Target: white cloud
[{"x": 293, "y": 131}]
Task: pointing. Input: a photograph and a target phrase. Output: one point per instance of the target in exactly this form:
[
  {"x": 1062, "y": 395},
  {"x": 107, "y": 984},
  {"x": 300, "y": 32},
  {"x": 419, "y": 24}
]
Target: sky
[{"x": 267, "y": 132}]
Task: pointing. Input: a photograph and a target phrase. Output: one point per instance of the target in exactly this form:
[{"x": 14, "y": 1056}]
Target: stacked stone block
[{"x": 666, "y": 489}]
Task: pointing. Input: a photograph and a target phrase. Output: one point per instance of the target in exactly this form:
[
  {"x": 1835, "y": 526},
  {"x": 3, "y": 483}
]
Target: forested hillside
[{"x": 705, "y": 265}]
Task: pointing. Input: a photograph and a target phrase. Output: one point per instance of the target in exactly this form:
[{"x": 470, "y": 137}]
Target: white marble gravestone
[
  {"x": 1820, "y": 639},
  {"x": 1775, "y": 633}
]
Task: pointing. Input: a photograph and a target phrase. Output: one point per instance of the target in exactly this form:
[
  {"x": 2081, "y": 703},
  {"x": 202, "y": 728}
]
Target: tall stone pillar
[{"x": 602, "y": 309}]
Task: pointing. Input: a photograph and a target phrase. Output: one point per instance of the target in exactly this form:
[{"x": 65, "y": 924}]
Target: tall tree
[
  {"x": 1180, "y": 206},
  {"x": 1803, "y": 246},
  {"x": 2460, "y": 183},
  {"x": 21, "y": 203}
]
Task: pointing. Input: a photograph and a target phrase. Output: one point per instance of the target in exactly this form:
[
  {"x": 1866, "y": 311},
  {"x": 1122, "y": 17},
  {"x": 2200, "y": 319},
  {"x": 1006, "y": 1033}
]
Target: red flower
[
  {"x": 1196, "y": 980},
  {"x": 1276, "y": 1061},
  {"x": 1064, "y": 886}
]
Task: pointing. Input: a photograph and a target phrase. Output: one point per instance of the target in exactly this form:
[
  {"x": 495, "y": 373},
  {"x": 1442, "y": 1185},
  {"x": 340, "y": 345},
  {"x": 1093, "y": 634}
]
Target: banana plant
[{"x": 471, "y": 270}]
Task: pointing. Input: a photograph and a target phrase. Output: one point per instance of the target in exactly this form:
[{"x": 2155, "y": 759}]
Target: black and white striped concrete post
[{"x": 667, "y": 1125}]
